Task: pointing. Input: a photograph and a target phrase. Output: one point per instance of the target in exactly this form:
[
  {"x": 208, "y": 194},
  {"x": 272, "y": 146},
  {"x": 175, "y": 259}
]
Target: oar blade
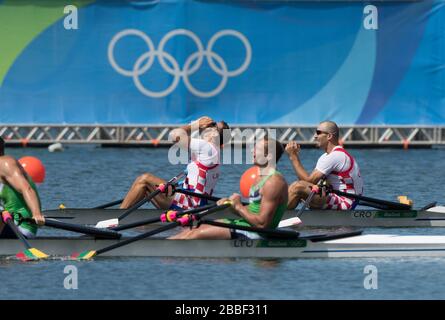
[
  {"x": 39, "y": 254},
  {"x": 31, "y": 254},
  {"x": 110, "y": 223},
  {"x": 85, "y": 255},
  {"x": 291, "y": 222}
]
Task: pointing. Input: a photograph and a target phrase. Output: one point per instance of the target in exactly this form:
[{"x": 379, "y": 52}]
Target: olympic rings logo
[{"x": 191, "y": 65}]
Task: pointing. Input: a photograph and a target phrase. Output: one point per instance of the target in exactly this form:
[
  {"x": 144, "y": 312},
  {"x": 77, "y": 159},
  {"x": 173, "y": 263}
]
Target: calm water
[{"x": 84, "y": 176}]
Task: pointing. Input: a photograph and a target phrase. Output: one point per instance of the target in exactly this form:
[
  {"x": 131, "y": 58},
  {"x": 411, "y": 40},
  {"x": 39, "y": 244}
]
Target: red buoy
[
  {"x": 248, "y": 179},
  {"x": 34, "y": 168}
]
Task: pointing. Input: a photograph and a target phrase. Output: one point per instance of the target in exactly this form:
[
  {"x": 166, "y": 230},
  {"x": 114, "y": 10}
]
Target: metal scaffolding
[{"x": 157, "y": 135}]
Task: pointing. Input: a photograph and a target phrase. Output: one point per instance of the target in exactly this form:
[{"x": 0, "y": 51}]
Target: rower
[
  {"x": 268, "y": 199},
  {"x": 202, "y": 171},
  {"x": 340, "y": 168},
  {"x": 19, "y": 196}
]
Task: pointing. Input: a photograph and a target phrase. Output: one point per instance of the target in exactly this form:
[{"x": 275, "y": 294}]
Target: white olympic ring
[{"x": 146, "y": 60}]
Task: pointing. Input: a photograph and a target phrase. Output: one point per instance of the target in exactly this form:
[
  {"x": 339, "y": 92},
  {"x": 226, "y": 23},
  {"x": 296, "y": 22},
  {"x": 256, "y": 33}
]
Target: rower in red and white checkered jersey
[
  {"x": 202, "y": 174},
  {"x": 202, "y": 171},
  {"x": 337, "y": 165}
]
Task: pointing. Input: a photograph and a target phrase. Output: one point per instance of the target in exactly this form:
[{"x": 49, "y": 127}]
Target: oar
[
  {"x": 183, "y": 221},
  {"x": 161, "y": 188},
  {"x": 98, "y": 233},
  {"x": 389, "y": 205},
  {"x": 284, "y": 223},
  {"x": 109, "y": 204},
  {"x": 314, "y": 190},
  {"x": 30, "y": 253},
  {"x": 276, "y": 233},
  {"x": 201, "y": 195},
  {"x": 168, "y": 216}
]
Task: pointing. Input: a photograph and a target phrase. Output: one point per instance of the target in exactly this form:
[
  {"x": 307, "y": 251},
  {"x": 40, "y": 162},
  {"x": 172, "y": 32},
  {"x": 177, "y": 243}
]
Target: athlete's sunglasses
[{"x": 318, "y": 132}]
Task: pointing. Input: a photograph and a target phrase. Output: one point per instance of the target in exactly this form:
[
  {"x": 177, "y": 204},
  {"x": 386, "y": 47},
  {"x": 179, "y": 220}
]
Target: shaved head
[{"x": 331, "y": 127}]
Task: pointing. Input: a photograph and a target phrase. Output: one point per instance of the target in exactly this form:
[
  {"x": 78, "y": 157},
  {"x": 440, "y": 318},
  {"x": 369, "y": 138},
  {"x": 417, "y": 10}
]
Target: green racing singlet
[
  {"x": 255, "y": 205},
  {"x": 13, "y": 201}
]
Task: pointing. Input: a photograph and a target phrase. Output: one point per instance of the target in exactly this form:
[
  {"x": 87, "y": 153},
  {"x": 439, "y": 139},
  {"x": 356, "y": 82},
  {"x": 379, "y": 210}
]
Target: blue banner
[{"x": 167, "y": 62}]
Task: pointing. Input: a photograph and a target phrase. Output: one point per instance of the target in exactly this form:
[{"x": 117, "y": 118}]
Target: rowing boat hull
[
  {"x": 363, "y": 246},
  {"x": 311, "y": 218}
]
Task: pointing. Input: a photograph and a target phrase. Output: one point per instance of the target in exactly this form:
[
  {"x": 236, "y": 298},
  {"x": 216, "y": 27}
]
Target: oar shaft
[
  {"x": 149, "y": 197},
  {"x": 109, "y": 204},
  {"x": 306, "y": 203},
  {"x": 17, "y": 232},
  {"x": 201, "y": 195},
  {"x": 136, "y": 224},
  {"x": 158, "y": 230},
  {"x": 139, "y": 204},
  {"x": 100, "y": 233},
  {"x": 391, "y": 205},
  {"x": 158, "y": 219},
  {"x": 271, "y": 232},
  {"x": 373, "y": 205},
  {"x": 138, "y": 237}
]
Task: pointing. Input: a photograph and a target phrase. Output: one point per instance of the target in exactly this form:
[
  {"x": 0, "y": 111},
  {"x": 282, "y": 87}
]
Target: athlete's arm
[
  {"x": 201, "y": 123},
  {"x": 13, "y": 175},
  {"x": 270, "y": 200},
  {"x": 293, "y": 150},
  {"x": 181, "y": 135}
]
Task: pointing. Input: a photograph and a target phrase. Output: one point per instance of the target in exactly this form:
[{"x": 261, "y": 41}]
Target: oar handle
[{"x": 167, "y": 216}]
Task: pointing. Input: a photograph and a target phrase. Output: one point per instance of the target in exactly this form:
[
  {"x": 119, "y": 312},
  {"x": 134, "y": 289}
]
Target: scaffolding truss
[{"x": 158, "y": 135}]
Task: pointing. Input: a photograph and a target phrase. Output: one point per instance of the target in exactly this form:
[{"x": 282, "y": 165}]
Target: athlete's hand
[
  {"x": 40, "y": 220},
  {"x": 293, "y": 149},
  {"x": 236, "y": 200},
  {"x": 221, "y": 201},
  {"x": 205, "y": 122}
]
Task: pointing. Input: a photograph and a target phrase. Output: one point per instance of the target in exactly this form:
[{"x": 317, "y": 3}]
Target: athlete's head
[
  {"x": 220, "y": 130},
  {"x": 224, "y": 132},
  {"x": 267, "y": 151},
  {"x": 327, "y": 132}
]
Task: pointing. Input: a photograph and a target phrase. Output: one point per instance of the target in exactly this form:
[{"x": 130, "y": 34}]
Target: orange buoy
[
  {"x": 34, "y": 168},
  {"x": 405, "y": 144},
  {"x": 247, "y": 180}
]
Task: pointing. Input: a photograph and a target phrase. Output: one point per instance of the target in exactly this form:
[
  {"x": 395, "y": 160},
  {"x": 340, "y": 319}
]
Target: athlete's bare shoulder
[
  {"x": 276, "y": 183},
  {"x": 7, "y": 159},
  {"x": 7, "y": 163}
]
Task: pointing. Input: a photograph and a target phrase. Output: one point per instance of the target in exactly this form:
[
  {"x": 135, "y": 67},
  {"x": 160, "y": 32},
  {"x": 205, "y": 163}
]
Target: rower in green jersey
[
  {"x": 268, "y": 199},
  {"x": 18, "y": 195}
]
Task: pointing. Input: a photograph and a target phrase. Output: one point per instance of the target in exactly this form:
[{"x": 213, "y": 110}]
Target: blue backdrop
[{"x": 247, "y": 63}]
